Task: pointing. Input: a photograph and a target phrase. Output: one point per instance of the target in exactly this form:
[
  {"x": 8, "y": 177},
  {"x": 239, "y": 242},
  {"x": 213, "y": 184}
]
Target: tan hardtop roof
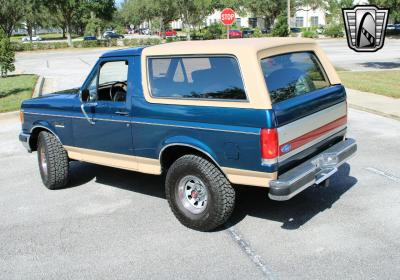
[{"x": 225, "y": 46}]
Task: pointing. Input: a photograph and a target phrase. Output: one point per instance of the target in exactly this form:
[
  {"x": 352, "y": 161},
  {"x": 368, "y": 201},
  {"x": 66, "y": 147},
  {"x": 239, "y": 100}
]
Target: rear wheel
[
  {"x": 198, "y": 193},
  {"x": 53, "y": 161}
]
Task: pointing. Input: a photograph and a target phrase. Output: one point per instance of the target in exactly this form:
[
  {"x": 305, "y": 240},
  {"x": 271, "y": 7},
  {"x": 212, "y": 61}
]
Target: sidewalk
[{"x": 374, "y": 103}]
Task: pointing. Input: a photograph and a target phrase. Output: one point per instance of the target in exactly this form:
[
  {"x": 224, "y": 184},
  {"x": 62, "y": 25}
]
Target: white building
[
  {"x": 241, "y": 22},
  {"x": 307, "y": 17},
  {"x": 304, "y": 17}
]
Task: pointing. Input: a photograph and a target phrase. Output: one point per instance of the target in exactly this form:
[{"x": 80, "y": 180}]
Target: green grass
[
  {"x": 385, "y": 82},
  {"x": 14, "y": 89}
]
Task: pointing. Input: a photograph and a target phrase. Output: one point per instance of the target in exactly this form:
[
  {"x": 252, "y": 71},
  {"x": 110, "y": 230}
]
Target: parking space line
[
  {"x": 251, "y": 253},
  {"x": 383, "y": 173},
  {"x": 84, "y": 61}
]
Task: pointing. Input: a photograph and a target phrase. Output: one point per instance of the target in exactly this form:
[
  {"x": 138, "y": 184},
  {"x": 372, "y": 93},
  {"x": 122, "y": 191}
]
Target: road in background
[
  {"x": 115, "y": 224},
  {"x": 65, "y": 69}
]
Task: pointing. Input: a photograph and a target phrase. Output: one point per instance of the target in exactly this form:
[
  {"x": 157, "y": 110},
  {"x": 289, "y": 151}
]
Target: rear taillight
[{"x": 269, "y": 144}]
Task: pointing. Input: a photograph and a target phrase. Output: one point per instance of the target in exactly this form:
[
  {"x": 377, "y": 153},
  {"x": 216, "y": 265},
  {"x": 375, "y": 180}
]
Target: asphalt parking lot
[{"x": 114, "y": 224}]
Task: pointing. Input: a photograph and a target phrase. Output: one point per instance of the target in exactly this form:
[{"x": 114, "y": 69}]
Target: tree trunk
[
  {"x": 29, "y": 29},
  {"x": 69, "y": 38},
  {"x": 63, "y": 32}
]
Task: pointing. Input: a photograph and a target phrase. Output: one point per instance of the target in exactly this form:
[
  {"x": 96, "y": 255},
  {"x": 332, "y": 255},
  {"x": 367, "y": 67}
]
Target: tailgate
[
  {"x": 309, "y": 124},
  {"x": 310, "y": 111}
]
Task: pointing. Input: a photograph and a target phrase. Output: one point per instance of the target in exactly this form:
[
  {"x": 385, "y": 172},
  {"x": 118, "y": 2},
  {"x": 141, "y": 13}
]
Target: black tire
[
  {"x": 55, "y": 173},
  {"x": 220, "y": 193}
]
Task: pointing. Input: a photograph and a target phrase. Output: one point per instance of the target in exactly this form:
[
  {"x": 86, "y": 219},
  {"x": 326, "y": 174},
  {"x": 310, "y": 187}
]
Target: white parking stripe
[
  {"x": 251, "y": 253},
  {"x": 383, "y": 173}
]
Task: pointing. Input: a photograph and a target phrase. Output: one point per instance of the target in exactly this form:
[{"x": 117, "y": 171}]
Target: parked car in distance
[
  {"x": 89, "y": 38},
  {"x": 112, "y": 35},
  {"x": 295, "y": 29},
  {"x": 265, "y": 30},
  {"x": 209, "y": 115},
  {"x": 234, "y": 33},
  {"x": 247, "y": 32},
  {"x": 390, "y": 27},
  {"x": 144, "y": 31},
  {"x": 34, "y": 39},
  {"x": 168, "y": 33}
]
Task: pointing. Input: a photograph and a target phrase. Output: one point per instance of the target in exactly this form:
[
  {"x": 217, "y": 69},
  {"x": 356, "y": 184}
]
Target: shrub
[
  {"x": 17, "y": 46},
  {"x": 214, "y": 31},
  {"x": 393, "y": 32},
  {"x": 141, "y": 42},
  {"x": 281, "y": 27},
  {"x": 309, "y": 34},
  {"x": 334, "y": 30},
  {"x": 7, "y": 55}
]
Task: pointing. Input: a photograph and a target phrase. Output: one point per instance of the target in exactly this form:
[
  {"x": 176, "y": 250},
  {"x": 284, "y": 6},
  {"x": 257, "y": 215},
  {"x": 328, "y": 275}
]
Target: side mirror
[{"x": 84, "y": 95}]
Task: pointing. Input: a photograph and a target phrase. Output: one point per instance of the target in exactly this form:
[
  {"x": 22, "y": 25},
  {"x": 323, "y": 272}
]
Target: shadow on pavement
[
  {"x": 250, "y": 200},
  {"x": 297, "y": 211},
  {"x": 381, "y": 65}
]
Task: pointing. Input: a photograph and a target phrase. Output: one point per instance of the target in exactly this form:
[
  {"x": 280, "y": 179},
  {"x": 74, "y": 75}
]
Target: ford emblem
[{"x": 286, "y": 148}]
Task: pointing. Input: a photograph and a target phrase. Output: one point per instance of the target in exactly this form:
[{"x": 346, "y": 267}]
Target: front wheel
[
  {"x": 53, "y": 161},
  {"x": 198, "y": 193}
]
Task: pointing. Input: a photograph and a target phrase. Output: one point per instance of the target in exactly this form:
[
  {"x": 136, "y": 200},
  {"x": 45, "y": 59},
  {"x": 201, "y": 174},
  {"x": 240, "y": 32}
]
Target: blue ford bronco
[{"x": 209, "y": 115}]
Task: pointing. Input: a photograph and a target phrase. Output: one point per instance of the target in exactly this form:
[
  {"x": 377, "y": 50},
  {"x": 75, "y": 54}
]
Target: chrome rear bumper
[{"x": 313, "y": 171}]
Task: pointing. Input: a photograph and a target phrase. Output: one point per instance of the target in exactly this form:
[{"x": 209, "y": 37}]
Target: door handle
[{"x": 122, "y": 113}]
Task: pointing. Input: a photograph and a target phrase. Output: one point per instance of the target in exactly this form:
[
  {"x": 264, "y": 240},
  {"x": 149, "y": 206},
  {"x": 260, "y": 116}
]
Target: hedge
[
  {"x": 38, "y": 46},
  {"x": 86, "y": 44}
]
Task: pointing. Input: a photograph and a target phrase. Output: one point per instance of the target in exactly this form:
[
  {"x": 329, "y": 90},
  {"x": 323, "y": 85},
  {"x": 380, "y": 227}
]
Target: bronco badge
[{"x": 365, "y": 27}]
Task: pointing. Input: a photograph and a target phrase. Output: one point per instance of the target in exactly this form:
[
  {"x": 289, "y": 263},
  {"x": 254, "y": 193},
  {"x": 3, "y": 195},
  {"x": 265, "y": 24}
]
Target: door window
[{"x": 110, "y": 83}]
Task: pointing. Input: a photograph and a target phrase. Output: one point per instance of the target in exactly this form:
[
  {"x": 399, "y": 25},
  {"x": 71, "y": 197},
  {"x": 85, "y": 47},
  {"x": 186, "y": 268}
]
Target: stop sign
[{"x": 228, "y": 16}]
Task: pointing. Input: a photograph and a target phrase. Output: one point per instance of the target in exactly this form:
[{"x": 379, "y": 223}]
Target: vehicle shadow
[
  {"x": 297, "y": 211},
  {"x": 250, "y": 200},
  {"x": 82, "y": 173}
]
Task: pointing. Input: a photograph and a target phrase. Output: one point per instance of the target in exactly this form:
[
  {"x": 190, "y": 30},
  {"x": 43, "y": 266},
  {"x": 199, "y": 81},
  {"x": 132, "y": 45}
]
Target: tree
[
  {"x": 266, "y": 9},
  {"x": 7, "y": 55},
  {"x": 394, "y": 6},
  {"x": 35, "y": 16},
  {"x": 67, "y": 11},
  {"x": 193, "y": 12},
  {"x": 11, "y": 12}
]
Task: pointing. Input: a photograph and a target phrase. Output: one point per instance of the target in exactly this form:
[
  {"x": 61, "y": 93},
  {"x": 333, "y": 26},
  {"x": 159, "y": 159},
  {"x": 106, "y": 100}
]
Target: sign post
[{"x": 228, "y": 17}]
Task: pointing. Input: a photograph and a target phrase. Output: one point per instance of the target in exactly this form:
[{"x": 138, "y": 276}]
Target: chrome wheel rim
[
  {"x": 193, "y": 194},
  {"x": 43, "y": 161}
]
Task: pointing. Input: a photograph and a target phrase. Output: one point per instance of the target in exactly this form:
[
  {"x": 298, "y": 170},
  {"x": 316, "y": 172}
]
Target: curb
[
  {"x": 9, "y": 115},
  {"x": 38, "y": 87},
  {"x": 372, "y": 111}
]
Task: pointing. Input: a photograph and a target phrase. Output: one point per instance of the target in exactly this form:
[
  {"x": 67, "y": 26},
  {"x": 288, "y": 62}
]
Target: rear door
[{"x": 310, "y": 112}]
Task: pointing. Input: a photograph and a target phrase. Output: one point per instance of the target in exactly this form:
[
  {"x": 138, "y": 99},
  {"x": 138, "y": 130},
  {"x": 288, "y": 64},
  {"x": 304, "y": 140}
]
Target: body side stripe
[
  {"x": 312, "y": 135},
  {"x": 148, "y": 123}
]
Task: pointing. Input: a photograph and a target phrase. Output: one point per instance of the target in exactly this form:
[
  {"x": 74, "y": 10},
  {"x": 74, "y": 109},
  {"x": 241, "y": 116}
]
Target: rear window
[
  {"x": 196, "y": 78},
  {"x": 293, "y": 74}
]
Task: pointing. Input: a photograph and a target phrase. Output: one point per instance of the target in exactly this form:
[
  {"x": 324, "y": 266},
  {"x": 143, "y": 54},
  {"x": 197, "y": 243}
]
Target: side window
[
  {"x": 293, "y": 74},
  {"x": 215, "y": 77},
  {"x": 110, "y": 84}
]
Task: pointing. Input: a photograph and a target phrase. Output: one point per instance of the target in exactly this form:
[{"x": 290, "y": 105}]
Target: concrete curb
[
  {"x": 38, "y": 87},
  {"x": 372, "y": 111},
  {"x": 9, "y": 115}
]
